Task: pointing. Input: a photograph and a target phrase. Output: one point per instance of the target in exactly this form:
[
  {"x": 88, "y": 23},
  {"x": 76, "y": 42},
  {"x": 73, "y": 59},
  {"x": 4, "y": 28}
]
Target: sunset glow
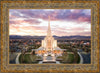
[{"x": 64, "y": 22}]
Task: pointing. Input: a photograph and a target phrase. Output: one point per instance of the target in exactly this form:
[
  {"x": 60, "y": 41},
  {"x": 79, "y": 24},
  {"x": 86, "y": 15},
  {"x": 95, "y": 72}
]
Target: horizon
[
  {"x": 44, "y": 36},
  {"x": 34, "y": 22}
]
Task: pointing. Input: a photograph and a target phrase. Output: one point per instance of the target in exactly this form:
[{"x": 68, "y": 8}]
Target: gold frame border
[{"x": 48, "y": 3}]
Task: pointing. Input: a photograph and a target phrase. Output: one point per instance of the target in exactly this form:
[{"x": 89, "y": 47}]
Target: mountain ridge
[{"x": 56, "y": 37}]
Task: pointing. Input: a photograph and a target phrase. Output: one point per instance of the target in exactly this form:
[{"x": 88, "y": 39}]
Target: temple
[{"x": 49, "y": 45}]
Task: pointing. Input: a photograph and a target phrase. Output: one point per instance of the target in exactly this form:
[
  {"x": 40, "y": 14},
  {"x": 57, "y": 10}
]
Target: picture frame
[{"x": 6, "y": 5}]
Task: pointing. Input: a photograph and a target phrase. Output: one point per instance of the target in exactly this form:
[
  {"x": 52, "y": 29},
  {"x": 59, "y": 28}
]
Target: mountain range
[{"x": 56, "y": 37}]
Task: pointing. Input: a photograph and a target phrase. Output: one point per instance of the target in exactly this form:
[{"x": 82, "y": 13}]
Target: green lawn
[
  {"x": 70, "y": 58},
  {"x": 31, "y": 59},
  {"x": 78, "y": 60},
  {"x": 28, "y": 58},
  {"x": 67, "y": 58}
]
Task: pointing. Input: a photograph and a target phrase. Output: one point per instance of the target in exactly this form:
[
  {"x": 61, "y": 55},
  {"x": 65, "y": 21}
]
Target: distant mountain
[
  {"x": 25, "y": 37},
  {"x": 73, "y": 37},
  {"x": 56, "y": 37}
]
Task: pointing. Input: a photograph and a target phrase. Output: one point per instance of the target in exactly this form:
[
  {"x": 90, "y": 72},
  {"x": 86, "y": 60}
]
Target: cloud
[
  {"x": 63, "y": 21},
  {"x": 57, "y": 14},
  {"x": 27, "y": 30},
  {"x": 27, "y": 21},
  {"x": 76, "y": 10},
  {"x": 71, "y": 31}
]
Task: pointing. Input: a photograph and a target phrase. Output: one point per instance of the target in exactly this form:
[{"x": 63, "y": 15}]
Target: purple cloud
[
  {"x": 39, "y": 17},
  {"x": 60, "y": 14}
]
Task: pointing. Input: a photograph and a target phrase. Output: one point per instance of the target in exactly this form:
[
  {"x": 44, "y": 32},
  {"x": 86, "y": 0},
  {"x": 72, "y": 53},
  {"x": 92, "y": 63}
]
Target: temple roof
[{"x": 49, "y": 29}]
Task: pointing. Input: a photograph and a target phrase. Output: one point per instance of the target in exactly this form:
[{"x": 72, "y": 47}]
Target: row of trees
[{"x": 85, "y": 48}]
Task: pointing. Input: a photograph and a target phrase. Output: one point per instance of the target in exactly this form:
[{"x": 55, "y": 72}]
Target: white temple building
[{"x": 49, "y": 45}]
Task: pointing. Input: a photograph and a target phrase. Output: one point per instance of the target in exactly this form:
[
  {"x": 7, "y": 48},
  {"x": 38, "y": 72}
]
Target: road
[{"x": 12, "y": 58}]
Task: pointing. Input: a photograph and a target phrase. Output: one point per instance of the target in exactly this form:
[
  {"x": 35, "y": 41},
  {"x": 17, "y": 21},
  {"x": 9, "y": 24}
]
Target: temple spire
[{"x": 49, "y": 29}]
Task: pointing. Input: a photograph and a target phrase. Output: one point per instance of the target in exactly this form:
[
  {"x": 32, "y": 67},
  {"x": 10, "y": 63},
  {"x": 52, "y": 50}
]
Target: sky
[{"x": 63, "y": 22}]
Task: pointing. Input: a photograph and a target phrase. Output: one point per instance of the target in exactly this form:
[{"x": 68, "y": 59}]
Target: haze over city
[{"x": 63, "y": 22}]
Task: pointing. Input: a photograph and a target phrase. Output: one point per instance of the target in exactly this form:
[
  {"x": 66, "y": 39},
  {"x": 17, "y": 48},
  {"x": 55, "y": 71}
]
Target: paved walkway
[
  {"x": 12, "y": 57},
  {"x": 17, "y": 58},
  {"x": 49, "y": 58},
  {"x": 81, "y": 58}
]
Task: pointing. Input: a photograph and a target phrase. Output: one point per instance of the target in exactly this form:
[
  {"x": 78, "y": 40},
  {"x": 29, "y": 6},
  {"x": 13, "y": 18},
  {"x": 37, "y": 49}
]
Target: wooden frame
[{"x": 6, "y": 5}]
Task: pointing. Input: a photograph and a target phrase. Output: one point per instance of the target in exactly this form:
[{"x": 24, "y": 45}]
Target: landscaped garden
[
  {"x": 69, "y": 58},
  {"x": 29, "y": 58},
  {"x": 66, "y": 58}
]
